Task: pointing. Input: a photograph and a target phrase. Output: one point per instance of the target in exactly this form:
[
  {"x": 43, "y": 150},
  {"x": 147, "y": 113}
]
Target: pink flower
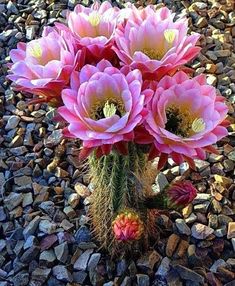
[
  {"x": 185, "y": 118},
  {"x": 43, "y": 66},
  {"x": 181, "y": 193},
  {"x": 152, "y": 42},
  {"x": 128, "y": 226},
  {"x": 103, "y": 105},
  {"x": 93, "y": 28}
]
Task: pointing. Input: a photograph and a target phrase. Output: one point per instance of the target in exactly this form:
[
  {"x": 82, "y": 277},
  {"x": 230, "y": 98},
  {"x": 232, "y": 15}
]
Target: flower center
[
  {"x": 107, "y": 108},
  {"x": 94, "y": 18},
  {"x": 35, "y": 51},
  {"x": 182, "y": 123},
  {"x": 163, "y": 46}
]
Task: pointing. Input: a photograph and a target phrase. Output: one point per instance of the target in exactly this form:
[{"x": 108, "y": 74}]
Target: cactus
[{"x": 119, "y": 183}]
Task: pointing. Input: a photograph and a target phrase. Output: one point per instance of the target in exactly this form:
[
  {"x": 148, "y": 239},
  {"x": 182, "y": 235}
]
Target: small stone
[
  {"x": 31, "y": 227},
  {"x": 142, "y": 280},
  {"x": 79, "y": 277},
  {"x": 62, "y": 251},
  {"x": 30, "y": 241},
  {"x": 202, "y": 208},
  {"x": 2, "y": 214},
  {"x": 27, "y": 200},
  {"x": 93, "y": 261},
  {"x": 172, "y": 244},
  {"x": 40, "y": 275},
  {"x": 164, "y": 267},
  {"x": 13, "y": 200},
  {"x": 186, "y": 211},
  {"x": 82, "y": 190},
  {"x": 213, "y": 221},
  {"x": 12, "y": 122},
  {"x": 21, "y": 279},
  {"x": 233, "y": 243},
  {"x": 83, "y": 235},
  {"x": 231, "y": 230},
  {"x": 182, "y": 248},
  {"x": 62, "y": 273},
  {"x": 201, "y": 22},
  {"x": 48, "y": 241},
  {"x": 231, "y": 156},
  {"x": 161, "y": 182},
  {"x": 30, "y": 32},
  {"x": 211, "y": 79},
  {"x": 148, "y": 260},
  {"x": 69, "y": 211},
  {"x": 74, "y": 200},
  {"x": 23, "y": 180},
  {"x": 47, "y": 256},
  {"x": 30, "y": 254},
  {"x": 182, "y": 227},
  {"x": 200, "y": 198},
  {"x": 223, "y": 180},
  {"x": 47, "y": 227},
  {"x": 188, "y": 274},
  {"x": 201, "y": 231},
  {"x": 81, "y": 262},
  {"x": 222, "y": 53},
  {"x": 48, "y": 207},
  {"x": 216, "y": 264}
]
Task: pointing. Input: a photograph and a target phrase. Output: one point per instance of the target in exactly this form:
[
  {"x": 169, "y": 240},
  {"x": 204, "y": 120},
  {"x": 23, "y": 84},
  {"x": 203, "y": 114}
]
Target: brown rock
[
  {"x": 231, "y": 230},
  {"x": 182, "y": 248},
  {"x": 172, "y": 244}
]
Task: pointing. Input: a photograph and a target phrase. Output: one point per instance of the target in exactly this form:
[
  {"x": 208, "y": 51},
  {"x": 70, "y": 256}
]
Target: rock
[
  {"x": 142, "y": 280},
  {"x": 148, "y": 260},
  {"x": 13, "y": 200},
  {"x": 27, "y": 200},
  {"x": 2, "y": 214},
  {"x": 231, "y": 230},
  {"x": 188, "y": 274},
  {"x": 82, "y": 190},
  {"x": 30, "y": 254},
  {"x": 30, "y": 32},
  {"x": 48, "y": 207},
  {"x": 12, "y": 122},
  {"x": 231, "y": 156},
  {"x": 233, "y": 243},
  {"x": 40, "y": 275},
  {"x": 201, "y": 231},
  {"x": 31, "y": 227},
  {"x": 23, "y": 180},
  {"x": 160, "y": 182},
  {"x": 62, "y": 273},
  {"x": 182, "y": 248},
  {"x": 182, "y": 226},
  {"x": 48, "y": 241},
  {"x": 172, "y": 244},
  {"x": 74, "y": 200},
  {"x": 30, "y": 241},
  {"x": 81, "y": 262},
  {"x": 201, "y": 198},
  {"x": 21, "y": 279},
  {"x": 62, "y": 251},
  {"x": 48, "y": 257},
  {"x": 83, "y": 235},
  {"x": 216, "y": 264},
  {"x": 93, "y": 261},
  {"x": 47, "y": 227},
  {"x": 201, "y": 22},
  {"x": 164, "y": 267},
  {"x": 79, "y": 277}
]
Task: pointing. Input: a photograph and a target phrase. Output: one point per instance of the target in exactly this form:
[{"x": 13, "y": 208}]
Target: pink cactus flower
[
  {"x": 93, "y": 28},
  {"x": 103, "y": 105},
  {"x": 152, "y": 42},
  {"x": 181, "y": 193},
  {"x": 43, "y": 66},
  {"x": 185, "y": 118},
  {"x": 128, "y": 226}
]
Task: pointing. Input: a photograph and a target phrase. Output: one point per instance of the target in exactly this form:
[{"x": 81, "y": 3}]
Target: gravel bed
[{"x": 44, "y": 227}]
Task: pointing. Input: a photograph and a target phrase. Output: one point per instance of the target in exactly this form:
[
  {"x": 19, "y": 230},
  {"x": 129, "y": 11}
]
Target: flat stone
[
  {"x": 62, "y": 273},
  {"x": 188, "y": 274},
  {"x": 93, "y": 261},
  {"x": 31, "y": 227},
  {"x": 82, "y": 261},
  {"x": 233, "y": 243},
  {"x": 164, "y": 267},
  {"x": 82, "y": 190},
  {"x": 142, "y": 280},
  {"x": 21, "y": 279},
  {"x": 172, "y": 244},
  {"x": 74, "y": 200},
  {"x": 2, "y": 214},
  {"x": 23, "y": 180},
  {"x": 148, "y": 260},
  {"x": 47, "y": 227},
  {"x": 13, "y": 200},
  {"x": 30, "y": 254},
  {"x": 201, "y": 231},
  {"x": 83, "y": 235},
  {"x": 48, "y": 241},
  {"x": 216, "y": 264},
  {"x": 48, "y": 256},
  {"x": 62, "y": 251},
  {"x": 161, "y": 182},
  {"x": 79, "y": 277},
  {"x": 231, "y": 230},
  {"x": 41, "y": 275},
  {"x": 182, "y": 226},
  {"x": 12, "y": 122}
]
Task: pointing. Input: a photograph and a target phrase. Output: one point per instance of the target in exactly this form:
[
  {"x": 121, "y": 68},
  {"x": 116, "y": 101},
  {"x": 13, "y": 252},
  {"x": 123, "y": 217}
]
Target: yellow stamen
[
  {"x": 94, "y": 18},
  {"x": 198, "y": 125},
  {"x": 153, "y": 54},
  {"x": 169, "y": 35},
  {"x": 36, "y": 50},
  {"x": 109, "y": 109}
]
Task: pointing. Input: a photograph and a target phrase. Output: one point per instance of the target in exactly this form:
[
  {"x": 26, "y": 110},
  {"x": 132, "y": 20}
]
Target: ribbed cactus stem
[{"x": 116, "y": 181}]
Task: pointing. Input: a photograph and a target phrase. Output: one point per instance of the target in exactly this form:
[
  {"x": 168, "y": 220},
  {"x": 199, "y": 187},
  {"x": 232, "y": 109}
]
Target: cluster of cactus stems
[{"x": 120, "y": 183}]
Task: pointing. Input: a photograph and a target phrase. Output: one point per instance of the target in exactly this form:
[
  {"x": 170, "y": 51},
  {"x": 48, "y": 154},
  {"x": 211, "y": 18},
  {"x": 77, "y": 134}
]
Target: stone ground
[{"x": 44, "y": 229}]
